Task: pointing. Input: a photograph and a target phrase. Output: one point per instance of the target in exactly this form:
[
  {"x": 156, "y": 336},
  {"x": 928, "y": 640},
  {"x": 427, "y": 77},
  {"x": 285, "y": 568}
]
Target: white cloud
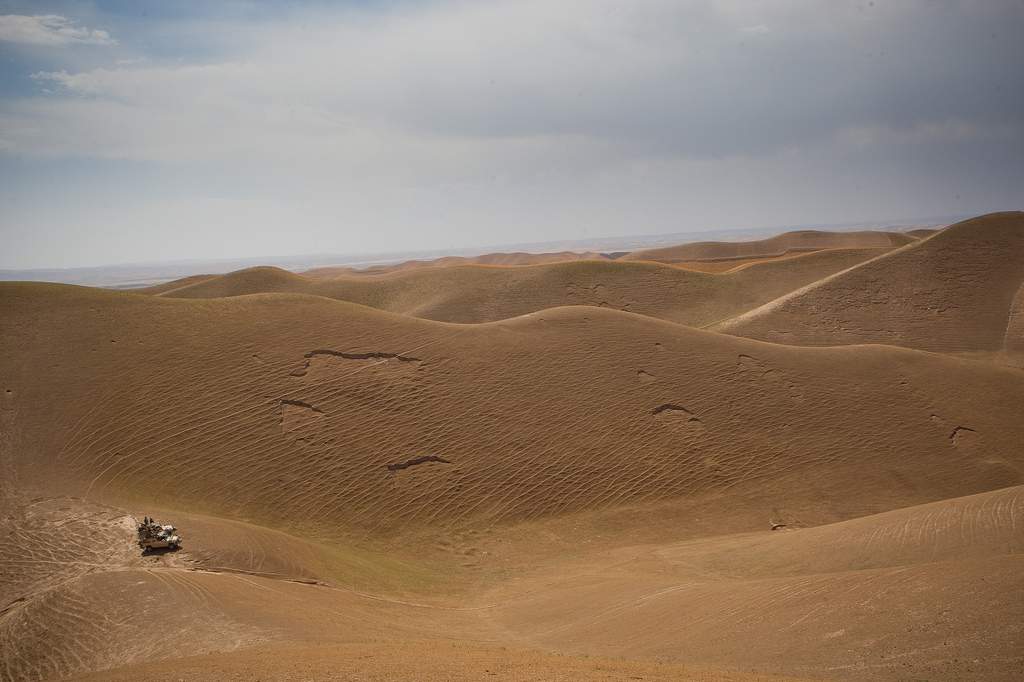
[
  {"x": 453, "y": 115},
  {"x": 49, "y": 30},
  {"x": 456, "y": 92}
]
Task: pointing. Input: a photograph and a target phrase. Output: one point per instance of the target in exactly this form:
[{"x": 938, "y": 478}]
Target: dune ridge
[
  {"x": 528, "y": 490},
  {"x": 802, "y": 611},
  {"x": 779, "y": 245},
  {"x": 335, "y": 395},
  {"x": 953, "y": 292},
  {"x": 500, "y": 259},
  {"x": 478, "y": 293}
]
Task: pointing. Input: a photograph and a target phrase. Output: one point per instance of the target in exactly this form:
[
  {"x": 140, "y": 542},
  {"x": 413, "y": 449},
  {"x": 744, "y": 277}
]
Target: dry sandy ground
[
  {"x": 780, "y": 245},
  {"x": 476, "y": 293},
  {"x": 689, "y": 255},
  {"x": 500, "y": 259},
  {"x": 577, "y": 493},
  {"x": 912, "y": 594},
  {"x": 401, "y": 661},
  {"x": 961, "y": 290}
]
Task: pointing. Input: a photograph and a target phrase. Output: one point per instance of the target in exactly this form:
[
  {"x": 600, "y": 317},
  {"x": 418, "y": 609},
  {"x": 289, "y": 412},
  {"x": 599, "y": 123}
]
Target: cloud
[
  {"x": 668, "y": 78},
  {"x": 49, "y": 30},
  {"x": 451, "y": 114},
  {"x": 455, "y": 92}
]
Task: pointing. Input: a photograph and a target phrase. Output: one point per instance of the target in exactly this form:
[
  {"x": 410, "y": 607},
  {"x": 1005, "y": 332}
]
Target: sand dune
[
  {"x": 570, "y": 409},
  {"x": 578, "y": 492},
  {"x": 428, "y": 662},
  {"x": 789, "y": 242},
  {"x": 157, "y": 289},
  {"x": 474, "y": 294},
  {"x": 972, "y": 527},
  {"x": 404, "y": 268},
  {"x": 921, "y": 621},
  {"x": 954, "y": 292},
  {"x": 707, "y": 603}
]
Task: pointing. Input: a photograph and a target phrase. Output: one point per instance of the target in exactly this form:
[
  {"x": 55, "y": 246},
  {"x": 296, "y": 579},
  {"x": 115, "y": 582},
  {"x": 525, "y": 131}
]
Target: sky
[{"x": 154, "y": 130}]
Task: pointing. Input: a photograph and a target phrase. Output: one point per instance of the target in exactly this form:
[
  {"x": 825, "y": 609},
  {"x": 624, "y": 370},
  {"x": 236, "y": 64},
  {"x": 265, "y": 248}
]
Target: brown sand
[
  {"x": 379, "y": 272},
  {"x": 578, "y": 493},
  {"x": 953, "y": 292},
  {"x": 426, "y": 662},
  {"x": 474, "y": 294},
  {"x": 790, "y": 242}
]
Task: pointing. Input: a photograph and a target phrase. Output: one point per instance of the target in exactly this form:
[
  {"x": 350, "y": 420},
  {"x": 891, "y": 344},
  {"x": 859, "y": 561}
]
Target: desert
[{"x": 794, "y": 458}]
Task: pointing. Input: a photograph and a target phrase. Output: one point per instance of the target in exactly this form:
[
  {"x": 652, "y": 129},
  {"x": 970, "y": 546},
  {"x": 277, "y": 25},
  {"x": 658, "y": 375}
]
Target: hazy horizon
[
  {"x": 118, "y": 275},
  {"x": 145, "y": 131}
]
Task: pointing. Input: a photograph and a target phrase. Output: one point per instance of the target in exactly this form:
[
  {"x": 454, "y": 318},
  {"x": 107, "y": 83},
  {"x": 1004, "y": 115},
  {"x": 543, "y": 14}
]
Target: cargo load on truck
[{"x": 153, "y": 535}]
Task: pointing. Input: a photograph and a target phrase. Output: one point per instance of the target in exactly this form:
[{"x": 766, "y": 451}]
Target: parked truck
[{"x": 153, "y": 535}]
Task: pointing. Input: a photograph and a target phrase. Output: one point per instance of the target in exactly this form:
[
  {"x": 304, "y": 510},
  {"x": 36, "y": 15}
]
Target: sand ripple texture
[
  {"x": 928, "y": 591},
  {"x": 477, "y": 293},
  {"x": 578, "y": 480},
  {"x": 299, "y": 410},
  {"x": 957, "y": 291}
]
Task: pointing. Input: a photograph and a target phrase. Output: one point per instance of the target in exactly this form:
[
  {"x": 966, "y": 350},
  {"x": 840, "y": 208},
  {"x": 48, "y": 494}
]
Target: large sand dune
[
  {"x": 474, "y": 294},
  {"x": 789, "y": 242},
  {"x": 574, "y": 493},
  {"x": 956, "y": 291},
  {"x": 517, "y": 258},
  {"x": 290, "y": 409}
]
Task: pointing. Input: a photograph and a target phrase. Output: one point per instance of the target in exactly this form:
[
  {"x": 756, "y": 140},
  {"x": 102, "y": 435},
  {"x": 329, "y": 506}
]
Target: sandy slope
[
  {"x": 577, "y": 493},
  {"x": 789, "y": 242},
  {"x": 956, "y": 291},
  {"x": 423, "y": 662},
  {"x": 286, "y": 410},
  {"x": 890, "y": 607},
  {"x": 474, "y": 294},
  {"x": 406, "y": 267}
]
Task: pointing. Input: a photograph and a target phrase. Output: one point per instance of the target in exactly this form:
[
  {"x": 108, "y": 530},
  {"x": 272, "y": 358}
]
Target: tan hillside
[
  {"x": 427, "y": 662},
  {"x": 789, "y": 242},
  {"x": 261, "y": 279},
  {"x": 370, "y": 422},
  {"x": 811, "y": 601},
  {"x": 404, "y": 268},
  {"x": 926, "y": 581},
  {"x": 954, "y": 292},
  {"x": 175, "y": 284},
  {"x": 577, "y": 492},
  {"x": 473, "y": 294}
]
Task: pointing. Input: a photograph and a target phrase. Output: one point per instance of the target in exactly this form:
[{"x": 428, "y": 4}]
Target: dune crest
[
  {"x": 560, "y": 485},
  {"x": 954, "y": 292},
  {"x": 482, "y": 293},
  {"x": 773, "y": 247}
]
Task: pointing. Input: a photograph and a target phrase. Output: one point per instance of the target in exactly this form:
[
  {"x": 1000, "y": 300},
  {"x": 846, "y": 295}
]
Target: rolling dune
[
  {"x": 287, "y": 409},
  {"x": 551, "y": 492},
  {"x": 826, "y": 596},
  {"x": 474, "y": 294},
  {"x": 404, "y": 268},
  {"x": 780, "y": 245},
  {"x": 890, "y": 606},
  {"x": 954, "y": 292}
]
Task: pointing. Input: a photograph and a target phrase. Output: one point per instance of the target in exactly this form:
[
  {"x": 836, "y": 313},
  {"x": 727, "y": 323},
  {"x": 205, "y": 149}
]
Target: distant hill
[
  {"x": 136, "y": 275},
  {"x": 478, "y": 293},
  {"x": 406, "y": 267},
  {"x": 959, "y": 290},
  {"x": 289, "y": 410},
  {"x": 553, "y": 478},
  {"x": 780, "y": 245}
]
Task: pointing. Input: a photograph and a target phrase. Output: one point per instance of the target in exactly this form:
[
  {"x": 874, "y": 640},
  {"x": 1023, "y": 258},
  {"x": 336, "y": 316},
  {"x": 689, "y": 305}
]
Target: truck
[{"x": 153, "y": 535}]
